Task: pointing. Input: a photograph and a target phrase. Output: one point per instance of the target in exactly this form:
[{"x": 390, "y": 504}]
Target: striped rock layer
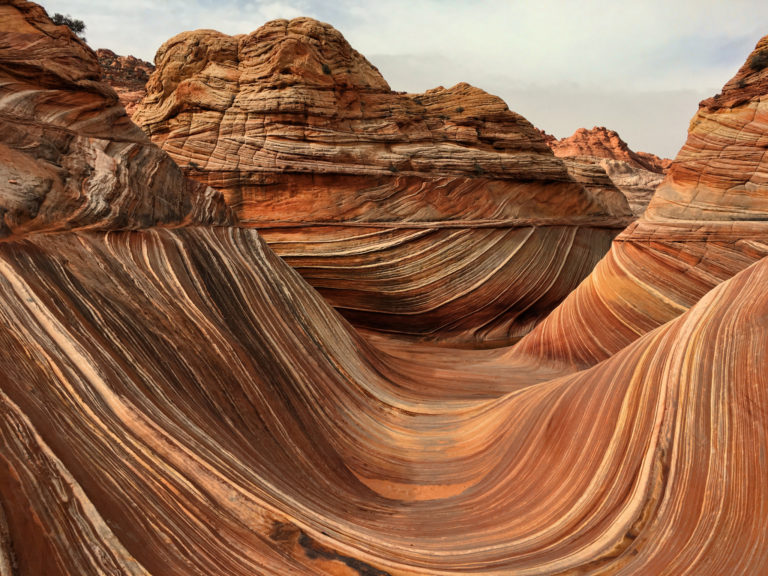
[
  {"x": 707, "y": 221},
  {"x": 69, "y": 156},
  {"x": 401, "y": 209},
  {"x": 178, "y": 400}
]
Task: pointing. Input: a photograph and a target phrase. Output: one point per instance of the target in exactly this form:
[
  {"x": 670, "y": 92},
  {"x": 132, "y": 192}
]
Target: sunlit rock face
[
  {"x": 707, "y": 221},
  {"x": 440, "y": 215},
  {"x": 175, "y": 399},
  {"x": 721, "y": 173},
  {"x": 599, "y": 150},
  {"x": 128, "y": 75}
]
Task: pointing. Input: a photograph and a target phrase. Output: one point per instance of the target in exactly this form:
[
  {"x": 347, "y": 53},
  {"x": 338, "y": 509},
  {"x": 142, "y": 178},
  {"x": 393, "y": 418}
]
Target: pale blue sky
[{"x": 638, "y": 67}]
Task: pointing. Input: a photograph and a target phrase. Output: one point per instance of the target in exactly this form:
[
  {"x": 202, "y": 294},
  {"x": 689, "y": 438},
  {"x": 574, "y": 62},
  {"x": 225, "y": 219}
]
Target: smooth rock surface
[{"x": 297, "y": 448}]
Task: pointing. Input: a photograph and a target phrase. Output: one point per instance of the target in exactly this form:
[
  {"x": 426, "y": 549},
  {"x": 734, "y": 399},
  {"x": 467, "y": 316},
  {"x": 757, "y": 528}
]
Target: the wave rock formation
[{"x": 175, "y": 399}]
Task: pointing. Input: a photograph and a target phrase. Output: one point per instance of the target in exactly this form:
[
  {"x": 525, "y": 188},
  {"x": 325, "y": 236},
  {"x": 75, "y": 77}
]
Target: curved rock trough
[{"x": 176, "y": 399}]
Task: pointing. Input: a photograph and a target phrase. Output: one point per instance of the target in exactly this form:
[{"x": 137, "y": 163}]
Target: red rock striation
[
  {"x": 439, "y": 215},
  {"x": 705, "y": 223},
  {"x": 69, "y": 156},
  {"x": 179, "y": 401},
  {"x": 128, "y": 75},
  {"x": 720, "y": 173}
]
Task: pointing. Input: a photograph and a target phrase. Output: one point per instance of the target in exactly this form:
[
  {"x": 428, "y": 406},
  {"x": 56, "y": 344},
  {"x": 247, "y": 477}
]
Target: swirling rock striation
[
  {"x": 297, "y": 448},
  {"x": 706, "y": 222},
  {"x": 180, "y": 401},
  {"x": 439, "y": 215},
  {"x": 69, "y": 156},
  {"x": 128, "y": 75}
]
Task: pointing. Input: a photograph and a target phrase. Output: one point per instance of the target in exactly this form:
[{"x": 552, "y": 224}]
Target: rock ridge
[
  {"x": 377, "y": 197},
  {"x": 705, "y": 223},
  {"x": 601, "y": 142},
  {"x": 635, "y": 174},
  {"x": 69, "y": 155}
]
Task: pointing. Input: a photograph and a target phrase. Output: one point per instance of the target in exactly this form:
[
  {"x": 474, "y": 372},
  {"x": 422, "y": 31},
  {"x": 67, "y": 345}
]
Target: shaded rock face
[
  {"x": 178, "y": 400},
  {"x": 380, "y": 199},
  {"x": 594, "y": 177},
  {"x": 69, "y": 156},
  {"x": 705, "y": 223},
  {"x": 128, "y": 75},
  {"x": 599, "y": 150},
  {"x": 636, "y": 184}
]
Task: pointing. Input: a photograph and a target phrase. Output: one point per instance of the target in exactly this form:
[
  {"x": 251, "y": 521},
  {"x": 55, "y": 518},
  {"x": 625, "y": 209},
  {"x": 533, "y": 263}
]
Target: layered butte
[
  {"x": 706, "y": 222},
  {"x": 440, "y": 215},
  {"x": 602, "y": 155}
]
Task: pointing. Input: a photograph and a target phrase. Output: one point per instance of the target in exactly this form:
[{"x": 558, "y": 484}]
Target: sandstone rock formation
[
  {"x": 636, "y": 184},
  {"x": 294, "y": 448},
  {"x": 636, "y": 174},
  {"x": 69, "y": 157},
  {"x": 439, "y": 215},
  {"x": 600, "y": 142},
  {"x": 177, "y": 400},
  {"x": 128, "y": 75},
  {"x": 706, "y": 222}
]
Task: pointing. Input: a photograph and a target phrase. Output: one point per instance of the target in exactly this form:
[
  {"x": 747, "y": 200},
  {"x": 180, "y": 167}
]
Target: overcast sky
[{"x": 638, "y": 67}]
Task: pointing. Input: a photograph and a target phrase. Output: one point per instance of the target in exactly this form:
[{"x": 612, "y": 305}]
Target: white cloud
[{"x": 561, "y": 63}]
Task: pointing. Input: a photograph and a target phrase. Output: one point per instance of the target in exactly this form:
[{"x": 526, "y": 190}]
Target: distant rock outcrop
[
  {"x": 707, "y": 221},
  {"x": 636, "y": 174},
  {"x": 600, "y": 142},
  {"x": 127, "y": 75},
  {"x": 423, "y": 214}
]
